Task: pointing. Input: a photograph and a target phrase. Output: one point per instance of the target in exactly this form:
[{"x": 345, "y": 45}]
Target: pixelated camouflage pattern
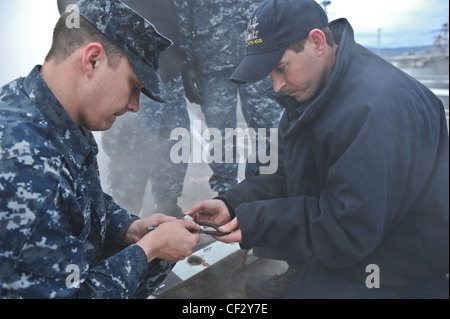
[
  {"x": 217, "y": 29},
  {"x": 213, "y": 41},
  {"x": 138, "y": 146},
  {"x": 140, "y": 40},
  {"x": 53, "y": 212}
]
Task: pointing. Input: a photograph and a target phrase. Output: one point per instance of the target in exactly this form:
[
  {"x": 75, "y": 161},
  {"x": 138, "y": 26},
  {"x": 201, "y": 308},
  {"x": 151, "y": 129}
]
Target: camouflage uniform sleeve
[
  {"x": 117, "y": 221},
  {"x": 185, "y": 24},
  {"x": 44, "y": 235}
]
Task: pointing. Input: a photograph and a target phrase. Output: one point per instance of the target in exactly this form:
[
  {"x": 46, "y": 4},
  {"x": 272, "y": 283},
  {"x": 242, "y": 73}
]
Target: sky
[
  {"x": 26, "y": 27},
  {"x": 403, "y": 23}
]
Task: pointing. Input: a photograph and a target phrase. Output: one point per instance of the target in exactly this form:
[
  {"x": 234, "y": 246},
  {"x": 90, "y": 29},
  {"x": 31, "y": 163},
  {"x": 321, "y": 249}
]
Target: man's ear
[
  {"x": 319, "y": 40},
  {"x": 93, "y": 56}
]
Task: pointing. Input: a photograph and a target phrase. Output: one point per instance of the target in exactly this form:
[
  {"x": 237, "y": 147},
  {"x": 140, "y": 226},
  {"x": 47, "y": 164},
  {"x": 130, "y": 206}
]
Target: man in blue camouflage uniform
[
  {"x": 61, "y": 235},
  {"x": 213, "y": 45}
]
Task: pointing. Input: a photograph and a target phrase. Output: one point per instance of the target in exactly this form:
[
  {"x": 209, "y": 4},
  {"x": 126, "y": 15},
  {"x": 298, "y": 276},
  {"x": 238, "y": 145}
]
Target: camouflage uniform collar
[{"x": 79, "y": 140}]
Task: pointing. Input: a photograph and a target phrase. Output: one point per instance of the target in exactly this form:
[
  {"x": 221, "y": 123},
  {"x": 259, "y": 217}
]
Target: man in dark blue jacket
[{"x": 360, "y": 197}]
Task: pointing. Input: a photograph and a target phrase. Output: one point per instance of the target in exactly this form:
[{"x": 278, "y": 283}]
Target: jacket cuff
[{"x": 230, "y": 209}]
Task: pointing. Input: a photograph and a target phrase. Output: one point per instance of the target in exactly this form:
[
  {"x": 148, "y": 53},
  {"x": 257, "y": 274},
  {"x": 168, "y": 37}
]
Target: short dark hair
[
  {"x": 299, "y": 46},
  {"x": 67, "y": 40}
]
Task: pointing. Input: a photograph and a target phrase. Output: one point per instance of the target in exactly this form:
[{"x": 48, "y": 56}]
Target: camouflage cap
[{"x": 130, "y": 31}]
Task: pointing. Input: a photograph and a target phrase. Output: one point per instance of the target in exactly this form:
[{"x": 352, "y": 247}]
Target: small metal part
[{"x": 205, "y": 224}]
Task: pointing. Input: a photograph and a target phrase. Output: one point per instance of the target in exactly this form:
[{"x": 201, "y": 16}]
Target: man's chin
[{"x": 100, "y": 127}]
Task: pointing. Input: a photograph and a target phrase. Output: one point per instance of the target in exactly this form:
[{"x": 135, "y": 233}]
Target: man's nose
[
  {"x": 277, "y": 81},
  {"x": 133, "y": 104}
]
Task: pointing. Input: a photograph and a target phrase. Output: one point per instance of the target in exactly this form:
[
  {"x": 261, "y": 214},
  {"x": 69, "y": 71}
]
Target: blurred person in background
[
  {"x": 139, "y": 144},
  {"x": 212, "y": 33}
]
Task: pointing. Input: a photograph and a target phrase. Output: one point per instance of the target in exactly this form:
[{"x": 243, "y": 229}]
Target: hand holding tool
[{"x": 205, "y": 224}]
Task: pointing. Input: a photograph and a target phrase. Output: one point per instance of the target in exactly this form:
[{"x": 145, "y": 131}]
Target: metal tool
[
  {"x": 203, "y": 226},
  {"x": 202, "y": 229}
]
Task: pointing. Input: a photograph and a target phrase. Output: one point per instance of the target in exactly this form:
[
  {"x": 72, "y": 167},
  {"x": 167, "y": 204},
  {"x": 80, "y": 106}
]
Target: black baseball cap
[{"x": 274, "y": 26}]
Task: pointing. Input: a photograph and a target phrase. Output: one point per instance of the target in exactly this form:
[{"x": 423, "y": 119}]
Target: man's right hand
[
  {"x": 171, "y": 241},
  {"x": 212, "y": 211},
  {"x": 215, "y": 211}
]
